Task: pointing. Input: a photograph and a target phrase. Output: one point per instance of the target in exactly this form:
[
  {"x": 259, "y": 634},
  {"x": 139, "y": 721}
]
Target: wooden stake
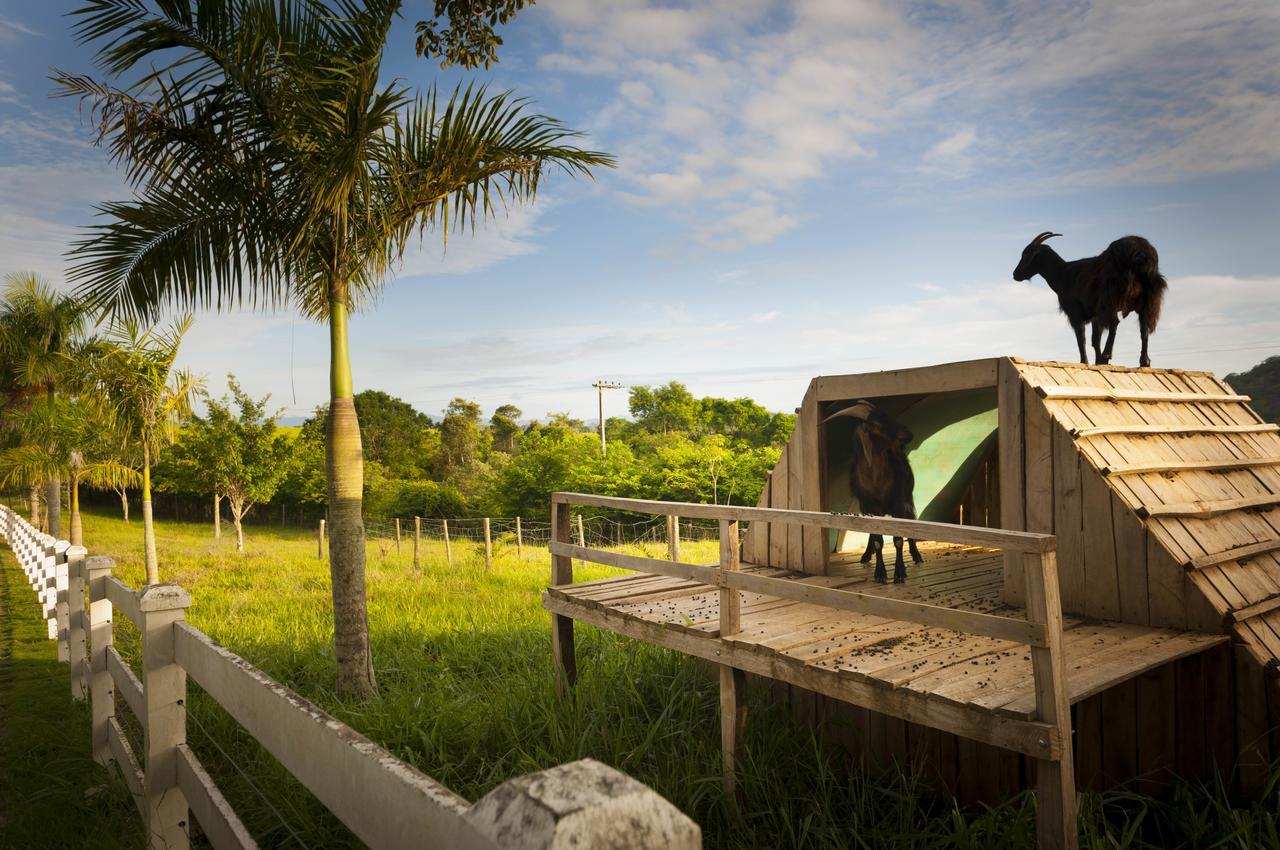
[
  {"x": 320, "y": 542},
  {"x": 448, "y": 550},
  {"x": 673, "y": 538},
  {"x": 582, "y": 536},
  {"x": 417, "y": 537},
  {"x": 733, "y": 720},
  {"x": 488, "y": 546},
  {"x": 562, "y": 653},
  {"x": 397, "y": 535},
  {"x": 519, "y": 540}
]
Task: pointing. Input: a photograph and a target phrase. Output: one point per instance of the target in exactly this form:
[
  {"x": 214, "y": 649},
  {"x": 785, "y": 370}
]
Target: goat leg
[
  {"x": 1144, "y": 327},
  {"x": 1095, "y": 335},
  {"x": 899, "y": 568},
  {"x": 1078, "y": 327},
  {"x": 1111, "y": 341},
  {"x": 867, "y": 553},
  {"x": 880, "y": 575},
  {"x": 916, "y": 557}
]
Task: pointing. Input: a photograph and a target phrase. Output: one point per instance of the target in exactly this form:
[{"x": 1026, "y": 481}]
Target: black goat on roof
[{"x": 880, "y": 477}]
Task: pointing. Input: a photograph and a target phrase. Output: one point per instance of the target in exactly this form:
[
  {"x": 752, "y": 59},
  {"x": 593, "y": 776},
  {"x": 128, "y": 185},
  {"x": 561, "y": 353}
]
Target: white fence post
[
  {"x": 102, "y": 699},
  {"x": 164, "y": 694},
  {"x": 61, "y": 611},
  {"x": 75, "y": 620}
]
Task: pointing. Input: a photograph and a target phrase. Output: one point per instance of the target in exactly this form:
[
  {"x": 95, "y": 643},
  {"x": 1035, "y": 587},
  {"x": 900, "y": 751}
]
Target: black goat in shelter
[{"x": 880, "y": 477}]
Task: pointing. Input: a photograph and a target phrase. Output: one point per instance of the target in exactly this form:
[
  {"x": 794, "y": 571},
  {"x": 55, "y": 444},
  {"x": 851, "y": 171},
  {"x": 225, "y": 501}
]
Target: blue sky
[{"x": 804, "y": 188}]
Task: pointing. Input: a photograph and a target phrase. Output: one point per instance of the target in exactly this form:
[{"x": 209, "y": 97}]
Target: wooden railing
[
  {"x": 1047, "y": 737},
  {"x": 385, "y": 802}
]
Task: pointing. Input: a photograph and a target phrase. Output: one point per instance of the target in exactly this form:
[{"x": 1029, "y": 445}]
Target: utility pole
[{"x": 601, "y": 386}]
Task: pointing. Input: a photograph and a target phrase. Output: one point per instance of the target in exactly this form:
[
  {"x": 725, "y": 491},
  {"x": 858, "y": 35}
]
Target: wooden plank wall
[
  {"x": 790, "y": 485},
  {"x": 1176, "y": 721}
]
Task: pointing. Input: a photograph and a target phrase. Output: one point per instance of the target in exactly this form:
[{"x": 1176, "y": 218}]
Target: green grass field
[{"x": 463, "y": 661}]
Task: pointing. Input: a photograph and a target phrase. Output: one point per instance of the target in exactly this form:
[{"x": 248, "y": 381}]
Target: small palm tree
[
  {"x": 272, "y": 167},
  {"x": 40, "y": 330},
  {"x": 149, "y": 399},
  {"x": 71, "y": 440}
]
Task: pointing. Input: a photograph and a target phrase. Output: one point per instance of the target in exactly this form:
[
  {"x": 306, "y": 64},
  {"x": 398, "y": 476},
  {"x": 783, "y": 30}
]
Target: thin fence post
[
  {"x": 320, "y": 541},
  {"x": 564, "y": 659},
  {"x": 102, "y": 702},
  {"x": 417, "y": 539},
  {"x": 519, "y": 541},
  {"x": 488, "y": 546},
  {"x": 76, "y": 620},
  {"x": 56, "y": 598},
  {"x": 164, "y": 694},
  {"x": 397, "y": 535},
  {"x": 673, "y": 538},
  {"x": 448, "y": 549},
  {"x": 1056, "y": 827},
  {"x": 733, "y": 682},
  {"x": 582, "y": 535}
]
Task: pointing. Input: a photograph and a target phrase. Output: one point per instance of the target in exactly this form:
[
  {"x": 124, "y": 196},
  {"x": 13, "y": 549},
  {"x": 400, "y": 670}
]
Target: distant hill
[{"x": 1262, "y": 382}]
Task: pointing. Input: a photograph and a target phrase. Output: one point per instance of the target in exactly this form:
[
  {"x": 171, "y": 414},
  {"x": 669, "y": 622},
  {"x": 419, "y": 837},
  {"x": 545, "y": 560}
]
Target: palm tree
[
  {"x": 271, "y": 167},
  {"x": 66, "y": 439},
  {"x": 40, "y": 329},
  {"x": 149, "y": 398}
]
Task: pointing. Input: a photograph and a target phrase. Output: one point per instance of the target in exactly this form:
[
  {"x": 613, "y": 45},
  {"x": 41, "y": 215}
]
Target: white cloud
[{"x": 510, "y": 234}]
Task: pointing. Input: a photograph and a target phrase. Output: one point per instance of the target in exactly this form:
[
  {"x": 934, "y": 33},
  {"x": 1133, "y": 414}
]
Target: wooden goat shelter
[
  {"x": 1099, "y": 601},
  {"x": 1162, "y": 487}
]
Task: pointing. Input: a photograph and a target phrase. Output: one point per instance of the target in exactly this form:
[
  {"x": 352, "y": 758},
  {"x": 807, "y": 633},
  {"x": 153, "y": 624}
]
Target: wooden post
[
  {"x": 397, "y": 535},
  {"x": 320, "y": 541},
  {"x": 562, "y": 652},
  {"x": 673, "y": 538},
  {"x": 164, "y": 694},
  {"x": 75, "y": 620},
  {"x": 58, "y": 596},
  {"x": 488, "y": 546},
  {"x": 582, "y": 535},
  {"x": 417, "y": 539},
  {"x": 1056, "y": 827},
  {"x": 448, "y": 550},
  {"x": 102, "y": 701},
  {"x": 1012, "y": 473},
  {"x": 519, "y": 540},
  {"x": 733, "y": 683}
]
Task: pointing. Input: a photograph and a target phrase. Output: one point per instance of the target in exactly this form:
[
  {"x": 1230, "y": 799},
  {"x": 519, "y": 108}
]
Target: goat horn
[
  {"x": 861, "y": 410},
  {"x": 1048, "y": 234}
]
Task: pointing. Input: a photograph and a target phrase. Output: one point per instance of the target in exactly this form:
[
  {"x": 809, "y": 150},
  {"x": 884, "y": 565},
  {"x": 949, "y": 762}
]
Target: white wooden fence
[{"x": 385, "y": 802}]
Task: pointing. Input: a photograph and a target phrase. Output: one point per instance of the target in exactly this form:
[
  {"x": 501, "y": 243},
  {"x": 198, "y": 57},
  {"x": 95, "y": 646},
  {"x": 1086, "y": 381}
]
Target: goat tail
[{"x": 1153, "y": 289}]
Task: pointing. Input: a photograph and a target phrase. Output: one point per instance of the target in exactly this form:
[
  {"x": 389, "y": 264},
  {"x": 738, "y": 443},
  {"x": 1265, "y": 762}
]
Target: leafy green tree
[
  {"x": 390, "y": 430},
  {"x": 253, "y": 454},
  {"x": 271, "y": 166},
  {"x": 670, "y": 407},
  {"x": 150, "y": 397},
  {"x": 463, "y": 437},
  {"x": 1262, "y": 382},
  {"x": 190, "y": 466},
  {"x": 469, "y": 40},
  {"x": 506, "y": 427},
  {"x": 41, "y": 330}
]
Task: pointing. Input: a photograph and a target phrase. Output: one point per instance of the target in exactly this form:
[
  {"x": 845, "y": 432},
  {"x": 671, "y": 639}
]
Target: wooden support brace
[
  {"x": 1236, "y": 553},
  {"x": 1204, "y": 510},
  {"x": 733, "y": 721},
  {"x": 562, "y": 649}
]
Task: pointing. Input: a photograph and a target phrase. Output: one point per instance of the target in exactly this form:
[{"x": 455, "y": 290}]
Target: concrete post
[
  {"x": 102, "y": 700},
  {"x": 76, "y": 620},
  {"x": 579, "y": 805},
  {"x": 164, "y": 694}
]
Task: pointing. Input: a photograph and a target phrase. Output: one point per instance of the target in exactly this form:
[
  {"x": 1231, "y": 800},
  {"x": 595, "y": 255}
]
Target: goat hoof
[
  {"x": 881, "y": 577},
  {"x": 900, "y": 578},
  {"x": 917, "y": 559},
  {"x": 1145, "y": 363}
]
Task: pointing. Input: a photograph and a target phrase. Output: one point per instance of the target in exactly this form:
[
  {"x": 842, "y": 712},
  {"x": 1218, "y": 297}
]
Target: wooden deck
[{"x": 839, "y": 653}]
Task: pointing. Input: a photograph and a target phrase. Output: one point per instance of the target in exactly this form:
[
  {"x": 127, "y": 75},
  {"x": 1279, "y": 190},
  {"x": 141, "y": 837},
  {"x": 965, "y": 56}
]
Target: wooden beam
[
  {"x": 1010, "y": 435},
  {"x": 947, "y": 377},
  {"x": 1081, "y": 433},
  {"x": 1104, "y": 394},
  {"x": 1257, "y": 609},
  {"x": 941, "y": 532},
  {"x": 1203, "y": 510},
  {"x": 562, "y": 647},
  {"x": 733, "y": 721},
  {"x": 1237, "y": 553},
  {"x": 639, "y": 563},
  {"x": 1039, "y": 740},
  {"x": 814, "y": 549},
  {"x": 1186, "y": 465}
]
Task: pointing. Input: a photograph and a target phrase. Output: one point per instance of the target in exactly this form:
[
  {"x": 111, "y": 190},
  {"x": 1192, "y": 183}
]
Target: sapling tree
[{"x": 253, "y": 456}]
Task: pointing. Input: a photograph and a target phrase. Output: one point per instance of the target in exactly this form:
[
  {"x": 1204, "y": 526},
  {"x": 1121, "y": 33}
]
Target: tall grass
[{"x": 463, "y": 659}]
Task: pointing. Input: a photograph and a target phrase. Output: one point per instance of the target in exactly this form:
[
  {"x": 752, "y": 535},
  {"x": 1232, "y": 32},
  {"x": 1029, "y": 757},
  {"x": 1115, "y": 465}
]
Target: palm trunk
[
  {"x": 34, "y": 495},
  {"x": 344, "y": 467},
  {"x": 124, "y": 502},
  {"x": 77, "y": 532},
  {"x": 53, "y": 506},
  {"x": 217, "y": 518},
  {"x": 148, "y": 525}
]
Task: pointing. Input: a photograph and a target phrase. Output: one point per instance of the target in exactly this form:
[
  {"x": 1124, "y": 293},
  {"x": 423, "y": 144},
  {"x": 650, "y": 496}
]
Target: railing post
[
  {"x": 733, "y": 682},
  {"x": 417, "y": 539},
  {"x": 566, "y": 663},
  {"x": 102, "y": 700},
  {"x": 164, "y": 694},
  {"x": 488, "y": 546},
  {"x": 1056, "y": 827},
  {"x": 519, "y": 541},
  {"x": 673, "y": 537},
  {"x": 61, "y": 611},
  {"x": 75, "y": 620}
]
